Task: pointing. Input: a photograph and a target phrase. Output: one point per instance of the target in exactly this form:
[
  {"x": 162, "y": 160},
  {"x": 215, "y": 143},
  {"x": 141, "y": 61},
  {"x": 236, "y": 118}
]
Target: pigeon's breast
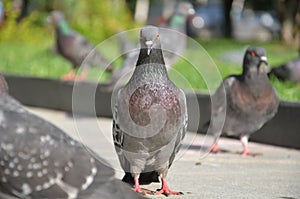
[{"x": 154, "y": 100}]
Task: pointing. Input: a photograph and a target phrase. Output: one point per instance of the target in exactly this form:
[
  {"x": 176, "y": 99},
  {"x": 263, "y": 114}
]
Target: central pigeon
[
  {"x": 75, "y": 48},
  {"x": 38, "y": 160},
  {"x": 250, "y": 102},
  {"x": 149, "y": 117}
]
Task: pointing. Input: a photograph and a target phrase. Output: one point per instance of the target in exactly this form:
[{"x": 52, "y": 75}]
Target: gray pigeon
[
  {"x": 38, "y": 160},
  {"x": 289, "y": 71},
  {"x": 173, "y": 44},
  {"x": 75, "y": 48},
  {"x": 250, "y": 102},
  {"x": 149, "y": 118}
]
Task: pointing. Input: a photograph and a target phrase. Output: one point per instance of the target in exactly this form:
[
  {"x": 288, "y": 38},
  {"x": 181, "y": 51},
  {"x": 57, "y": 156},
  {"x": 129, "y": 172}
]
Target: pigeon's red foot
[
  {"x": 72, "y": 77},
  {"x": 138, "y": 189},
  {"x": 68, "y": 77},
  {"x": 215, "y": 148},
  {"x": 248, "y": 153},
  {"x": 165, "y": 190}
]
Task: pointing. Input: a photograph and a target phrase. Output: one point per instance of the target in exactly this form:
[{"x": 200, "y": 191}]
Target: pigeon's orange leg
[
  {"x": 166, "y": 190},
  {"x": 246, "y": 152},
  {"x": 137, "y": 187},
  {"x": 68, "y": 77},
  {"x": 215, "y": 148}
]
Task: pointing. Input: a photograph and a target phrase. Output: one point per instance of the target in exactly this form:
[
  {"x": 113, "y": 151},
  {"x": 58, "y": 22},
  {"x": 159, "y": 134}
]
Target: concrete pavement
[{"x": 274, "y": 174}]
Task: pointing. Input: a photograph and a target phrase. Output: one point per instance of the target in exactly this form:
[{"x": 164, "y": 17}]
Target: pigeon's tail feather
[{"x": 145, "y": 178}]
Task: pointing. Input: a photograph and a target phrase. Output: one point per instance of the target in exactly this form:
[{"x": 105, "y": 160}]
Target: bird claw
[
  {"x": 68, "y": 77},
  {"x": 166, "y": 191},
  {"x": 142, "y": 191},
  {"x": 248, "y": 153},
  {"x": 215, "y": 149}
]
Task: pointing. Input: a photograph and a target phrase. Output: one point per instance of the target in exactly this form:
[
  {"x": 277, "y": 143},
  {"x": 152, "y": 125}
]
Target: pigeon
[
  {"x": 38, "y": 160},
  {"x": 289, "y": 71},
  {"x": 250, "y": 101},
  {"x": 173, "y": 44},
  {"x": 149, "y": 118},
  {"x": 75, "y": 48}
]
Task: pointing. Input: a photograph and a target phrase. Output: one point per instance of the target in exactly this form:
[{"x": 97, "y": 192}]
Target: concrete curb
[{"x": 282, "y": 130}]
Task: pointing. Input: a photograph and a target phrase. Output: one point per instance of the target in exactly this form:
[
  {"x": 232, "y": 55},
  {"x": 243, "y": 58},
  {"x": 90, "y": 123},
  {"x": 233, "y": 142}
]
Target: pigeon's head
[
  {"x": 255, "y": 59},
  {"x": 185, "y": 9},
  {"x": 55, "y": 17},
  {"x": 3, "y": 85},
  {"x": 150, "y": 38}
]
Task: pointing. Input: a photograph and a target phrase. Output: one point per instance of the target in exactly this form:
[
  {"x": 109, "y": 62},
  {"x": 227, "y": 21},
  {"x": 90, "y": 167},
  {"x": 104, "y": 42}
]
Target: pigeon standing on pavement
[
  {"x": 149, "y": 118},
  {"x": 250, "y": 102},
  {"x": 38, "y": 160},
  {"x": 75, "y": 48},
  {"x": 173, "y": 44},
  {"x": 289, "y": 71}
]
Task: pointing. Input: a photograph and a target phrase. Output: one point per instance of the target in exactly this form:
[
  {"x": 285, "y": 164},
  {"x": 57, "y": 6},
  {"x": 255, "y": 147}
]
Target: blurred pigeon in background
[
  {"x": 75, "y": 48},
  {"x": 149, "y": 118},
  {"x": 38, "y": 160},
  {"x": 289, "y": 71},
  {"x": 250, "y": 101},
  {"x": 173, "y": 44}
]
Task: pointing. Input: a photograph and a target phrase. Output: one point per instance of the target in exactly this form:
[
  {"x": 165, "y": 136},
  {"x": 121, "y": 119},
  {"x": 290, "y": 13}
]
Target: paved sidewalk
[{"x": 274, "y": 174}]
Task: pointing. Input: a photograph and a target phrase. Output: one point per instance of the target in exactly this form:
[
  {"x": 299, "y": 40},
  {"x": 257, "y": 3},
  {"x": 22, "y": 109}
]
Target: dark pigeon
[
  {"x": 75, "y": 48},
  {"x": 289, "y": 71},
  {"x": 250, "y": 102},
  {"x": 38, "y": 160},
  {"x": 149, "y": 118},
  {"x": 173, "y": 44}
]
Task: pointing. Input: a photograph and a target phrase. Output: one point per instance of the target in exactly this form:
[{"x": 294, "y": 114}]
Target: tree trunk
[{"x": 287, "y": 10}]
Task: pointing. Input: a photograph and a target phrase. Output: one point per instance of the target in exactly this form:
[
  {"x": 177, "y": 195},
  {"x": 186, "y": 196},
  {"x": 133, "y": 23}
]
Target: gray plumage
[
  {"x": 38, "y": 160},
  {"x": 289, "y": 71},
  {"x": 150, "y": 116},
  {"x": 249, "y": 100},
  {"x": 173, "y": 44},
  {"x": 74, "y": 47}
]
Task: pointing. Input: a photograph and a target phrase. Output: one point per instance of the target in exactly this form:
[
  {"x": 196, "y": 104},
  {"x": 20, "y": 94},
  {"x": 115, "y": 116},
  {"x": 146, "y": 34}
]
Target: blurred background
[{"x": 223, "y": 27}]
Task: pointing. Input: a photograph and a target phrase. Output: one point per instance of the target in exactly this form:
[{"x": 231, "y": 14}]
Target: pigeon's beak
[
  {"x": 149, "y": 44},
  {"x": 264, "y": 60}
]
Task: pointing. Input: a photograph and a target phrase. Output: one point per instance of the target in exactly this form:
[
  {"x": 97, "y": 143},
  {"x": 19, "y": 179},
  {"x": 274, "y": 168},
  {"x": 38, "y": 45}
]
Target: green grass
[{"x": 38, "y": 60}]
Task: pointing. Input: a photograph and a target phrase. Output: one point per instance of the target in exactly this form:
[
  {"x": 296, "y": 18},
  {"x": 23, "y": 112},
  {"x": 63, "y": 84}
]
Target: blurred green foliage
[
  {"x": 95, "y": 19},
  {"x": 25, "y": 47}
]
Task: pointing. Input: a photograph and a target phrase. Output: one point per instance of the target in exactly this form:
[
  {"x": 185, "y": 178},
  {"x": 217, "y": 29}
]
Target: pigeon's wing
[
  {"x": 37, "y": 159},
  {"x": 220, "y": 101},
  {"x": 89, "y": 55},
  {"x": 118, "y": 133},
  {"x": 182, "y": 130}
]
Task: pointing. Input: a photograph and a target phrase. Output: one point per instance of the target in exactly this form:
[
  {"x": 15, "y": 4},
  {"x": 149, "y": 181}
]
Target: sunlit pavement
[{"x": 274, "y": 174}]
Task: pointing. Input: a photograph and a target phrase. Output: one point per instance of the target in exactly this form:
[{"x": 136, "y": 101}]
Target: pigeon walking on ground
[
  {"x": 149, "y": 118},
  {"x": 289, "y": 71},
  {"x": 75, "y": 48},
  {"x": 173, "y": 44},
  {"x": 250, "y": 102},
  {"x": 38, "y": 160}
]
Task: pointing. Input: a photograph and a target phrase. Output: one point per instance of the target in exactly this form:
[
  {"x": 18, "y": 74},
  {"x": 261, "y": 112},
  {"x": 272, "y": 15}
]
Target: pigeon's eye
[
  {"x": 157, "y": 36},
  {"x": 253, "y": 54}
]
